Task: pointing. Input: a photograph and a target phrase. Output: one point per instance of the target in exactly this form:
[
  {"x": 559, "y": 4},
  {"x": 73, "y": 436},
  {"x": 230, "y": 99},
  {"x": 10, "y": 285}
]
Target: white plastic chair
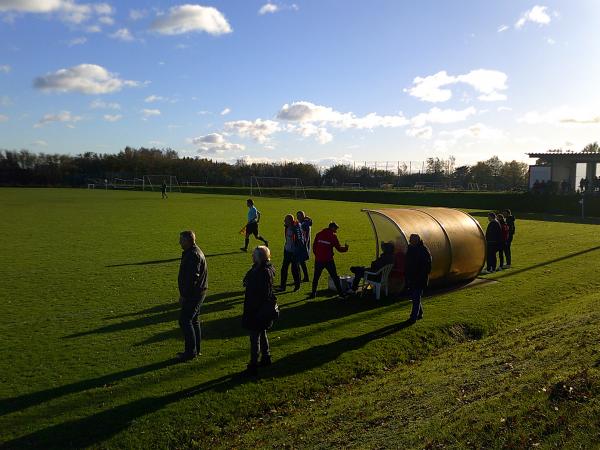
[{"x": 378, "y": 285}]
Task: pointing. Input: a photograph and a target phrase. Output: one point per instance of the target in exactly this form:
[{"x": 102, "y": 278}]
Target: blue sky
[{"x": 319, "y": 81}]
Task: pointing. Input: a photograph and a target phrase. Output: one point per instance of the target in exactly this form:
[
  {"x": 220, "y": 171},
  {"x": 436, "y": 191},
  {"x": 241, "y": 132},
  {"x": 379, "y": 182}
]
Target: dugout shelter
[{"x": 454, "y": 238}]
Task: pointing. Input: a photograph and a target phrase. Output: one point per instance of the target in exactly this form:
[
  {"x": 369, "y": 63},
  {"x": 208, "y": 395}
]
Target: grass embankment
[{"x": 89, "y": 324}]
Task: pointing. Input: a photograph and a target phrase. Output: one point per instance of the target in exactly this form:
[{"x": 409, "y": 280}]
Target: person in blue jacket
[{"x": 305, "y": 225}]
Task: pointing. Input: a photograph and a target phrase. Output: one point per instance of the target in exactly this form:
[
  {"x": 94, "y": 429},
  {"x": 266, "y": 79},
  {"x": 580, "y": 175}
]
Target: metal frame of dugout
[{"x": 454, "y": 238}]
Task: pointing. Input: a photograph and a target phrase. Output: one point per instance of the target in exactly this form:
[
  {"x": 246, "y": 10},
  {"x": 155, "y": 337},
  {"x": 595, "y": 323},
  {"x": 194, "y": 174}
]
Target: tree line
[{"x": 25, "y": 168}]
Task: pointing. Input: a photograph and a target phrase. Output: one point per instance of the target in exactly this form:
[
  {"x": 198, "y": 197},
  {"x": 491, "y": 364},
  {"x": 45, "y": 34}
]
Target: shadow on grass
[
  {"x": 97, "y": 428},
  {"x": 168, "y": 312},
  {"x": 166, "y": 261},
  {"x": 546, "y": 217}
]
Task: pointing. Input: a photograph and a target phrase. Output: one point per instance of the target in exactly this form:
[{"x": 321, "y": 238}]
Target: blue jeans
[
  {"x": 417, "y": 308},
  {"x": 190, "y": 325}
]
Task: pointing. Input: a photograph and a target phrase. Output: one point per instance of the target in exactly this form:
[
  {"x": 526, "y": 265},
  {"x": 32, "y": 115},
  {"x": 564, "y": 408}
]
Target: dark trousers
[
  {"x": 252, "y": 229},
  {"x": 289, "y": 258},
  {"x": 190, "y": 325},
  {"x": 331, "y": 269},
  {"x": 507, "y": 251},
  {"x": 359, "y": 273},
  {"x": 492, "y": 249},
  {"x": 259, "y": 343},
  {"x": 415, "y": 295},
  {"x": 304, "y": 270}
]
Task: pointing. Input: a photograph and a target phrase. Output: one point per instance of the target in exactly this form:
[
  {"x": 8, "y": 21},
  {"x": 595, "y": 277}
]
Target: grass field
[{"x": 89, "y": 329}]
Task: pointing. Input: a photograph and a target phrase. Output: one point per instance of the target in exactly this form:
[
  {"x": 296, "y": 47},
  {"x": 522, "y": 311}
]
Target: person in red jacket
[{"x": 323, "y": 245}]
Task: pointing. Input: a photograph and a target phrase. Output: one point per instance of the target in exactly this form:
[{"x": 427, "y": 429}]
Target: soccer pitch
[{"x": 89, "y": 327}]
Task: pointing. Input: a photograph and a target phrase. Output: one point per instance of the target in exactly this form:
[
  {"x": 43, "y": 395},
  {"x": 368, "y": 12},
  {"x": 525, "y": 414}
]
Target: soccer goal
[
  {"x": 351, "y": 186},
  {"x": 277, "y": 187},
  {"x": 154, "y": 182}
]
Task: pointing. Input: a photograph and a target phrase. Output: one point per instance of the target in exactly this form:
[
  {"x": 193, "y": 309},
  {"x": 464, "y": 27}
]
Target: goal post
[
  {"x": 277, "y": 187},
  {"x": 154, "y": 182}
]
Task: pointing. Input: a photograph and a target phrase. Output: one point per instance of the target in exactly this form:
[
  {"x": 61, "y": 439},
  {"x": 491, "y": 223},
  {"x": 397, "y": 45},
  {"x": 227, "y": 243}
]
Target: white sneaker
[{"x": 484, "y": 272}]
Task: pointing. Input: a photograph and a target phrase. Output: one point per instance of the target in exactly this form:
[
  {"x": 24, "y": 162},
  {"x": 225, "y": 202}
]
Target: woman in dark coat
[{"x": 258, "y": 299}]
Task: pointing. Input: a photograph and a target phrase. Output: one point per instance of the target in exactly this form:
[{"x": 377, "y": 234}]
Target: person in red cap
[{"x": 324, "y": 243}]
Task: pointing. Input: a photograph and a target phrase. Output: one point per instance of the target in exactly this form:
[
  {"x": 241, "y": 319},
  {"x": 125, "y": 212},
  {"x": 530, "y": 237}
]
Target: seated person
[{"x": 385, "y": 258}]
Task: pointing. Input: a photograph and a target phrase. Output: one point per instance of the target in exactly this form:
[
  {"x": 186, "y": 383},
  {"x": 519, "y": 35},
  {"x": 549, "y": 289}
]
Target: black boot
[
  {"x": 265, "y": 361},
  {"x": 251, "y": 370}
]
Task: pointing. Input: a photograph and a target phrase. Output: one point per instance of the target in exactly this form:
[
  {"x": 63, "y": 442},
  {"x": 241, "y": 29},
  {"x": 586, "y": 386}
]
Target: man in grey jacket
[{"x": 192, "y": 282}]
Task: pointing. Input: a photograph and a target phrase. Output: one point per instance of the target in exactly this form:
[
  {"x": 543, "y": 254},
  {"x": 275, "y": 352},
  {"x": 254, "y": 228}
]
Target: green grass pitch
[{"x": 88, "y": 307}]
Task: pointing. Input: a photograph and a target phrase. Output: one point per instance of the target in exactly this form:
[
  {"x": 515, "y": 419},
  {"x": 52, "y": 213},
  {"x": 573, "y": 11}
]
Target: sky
[{"x": 321, "y": 81}]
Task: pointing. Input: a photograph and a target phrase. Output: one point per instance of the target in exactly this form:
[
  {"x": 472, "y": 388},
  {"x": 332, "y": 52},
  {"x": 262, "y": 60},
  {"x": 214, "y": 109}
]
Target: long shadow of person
[{"x": 94, "y": 429}]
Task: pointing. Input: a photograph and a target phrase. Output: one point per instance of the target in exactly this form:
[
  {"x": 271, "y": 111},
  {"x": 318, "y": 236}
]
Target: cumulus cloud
[
  {"x": 154, "y": 98},
  {"x": 443, "y": 116},
  {"x": 538, "y": 14},
  {"x": 150, "y": 113},
  {"x": 503, "y": 108},
  {"x": 84, "y": 78},
  {"x": 5, "y": 68},
  {"x": 563, "y": 115},
  {"x": 268, "y": 8},
  {"x": 101, "y": 104},
  {"x": 40, "y": 143},
  {"x": 63, "y": 116},
  {"x": 478, "y": 131},
  {"x": 191, "y": 18},
  {"x": 68, "y": 10},
  {"x": 421, "y": 133},
  {"x": 137, "y": 14},
  {"x": 3, "y": 118},
  {"x": 225, "y": 111},
  {"x": 122, "y": 34},
  {"x": 214, "y": 143},
  {"x": 321, "y": 135},
  {"x": 309, "y": 112},
  {"x": 433, "y": 88},
  {"x": 260, "y": 130},
  {"x": 112, "y": 117}
]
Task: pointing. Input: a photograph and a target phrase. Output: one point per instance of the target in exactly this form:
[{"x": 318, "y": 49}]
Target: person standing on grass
[
  {"x": 259, "y": 290},
  {"x": 252, "y": 225},
  {"x": 163, "y": 190},
  {"x": 305, "y": 225},
  {"x": 493, "y": 238},
  {"x": 505, "y": 232},
  {"x": 193, "y": 282},
  {"x": 294, "y": 252},
  {"x": 510, "y": 221},
  {"x": 418, "y": 268},
  {"x": 325, "y": 241}
]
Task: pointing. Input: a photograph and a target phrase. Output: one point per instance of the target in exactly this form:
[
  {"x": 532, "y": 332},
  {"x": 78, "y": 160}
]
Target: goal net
[
  {"x": 133, "y": 183},
  {"x": 154, "y": 182},
  {"x": 277, "y": 187},
  {"x": 351, "y": 186}
]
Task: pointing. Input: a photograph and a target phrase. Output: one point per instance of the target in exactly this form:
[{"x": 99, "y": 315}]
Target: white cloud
[
  {"x": 106, "y": 20},
  {"x": 214, "y": 143},
  {"x": 188, "y": 18},
  {"x": 225, "y": 111},
  {"x": 487, "y": 82},
  {"x": 309, "y": 112},
  {"x": 503, "y": 108},
  {"x": 563, "y": 115},
  {"x": 443, "y": 116},
  {"x": 84, "y": 78},
  {"x": 154, "y": 98},
  {"x": 150, "y": 112},
  {"x": 3, "y": 118},
  {"x": 321, "y": 134},
  {"x": 503, "y": 28},
  {"x": 112, "y": 117},
  {"x": 550, "y": 41},
  {"x": 259, "y": 130},
  {"x": 101, "y": 104},
  {"x": 268, "y": 8},
  {"x": 5, "y": 68},
  {"x": 68, "y": 10},
  {"x": 40, "y": 143},
  {"x": 77, "y": 41},
  {"x": 421, "y": 133},
  {"x": 137, "y": 14},
  {"x": 93, "y": 29},
  {"x": 538, "y": 14},
  {"x": 122, "y": 34},
  {"x": 63, "y": 116}
]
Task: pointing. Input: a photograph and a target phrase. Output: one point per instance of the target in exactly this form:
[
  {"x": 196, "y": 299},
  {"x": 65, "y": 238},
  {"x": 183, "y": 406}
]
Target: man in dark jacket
[
  {"x": 305, "y": 225},
  {"x": 493, "y": 238},
  {"x": 418, "y": 268},
  {"x": 192, "y": 282},
  {"x": 386, "y": 258},
  {"x": 510, "y": 221}
]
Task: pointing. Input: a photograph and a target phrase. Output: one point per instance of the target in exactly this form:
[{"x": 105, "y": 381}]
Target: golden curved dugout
[{"x": 454, "y": 238}]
